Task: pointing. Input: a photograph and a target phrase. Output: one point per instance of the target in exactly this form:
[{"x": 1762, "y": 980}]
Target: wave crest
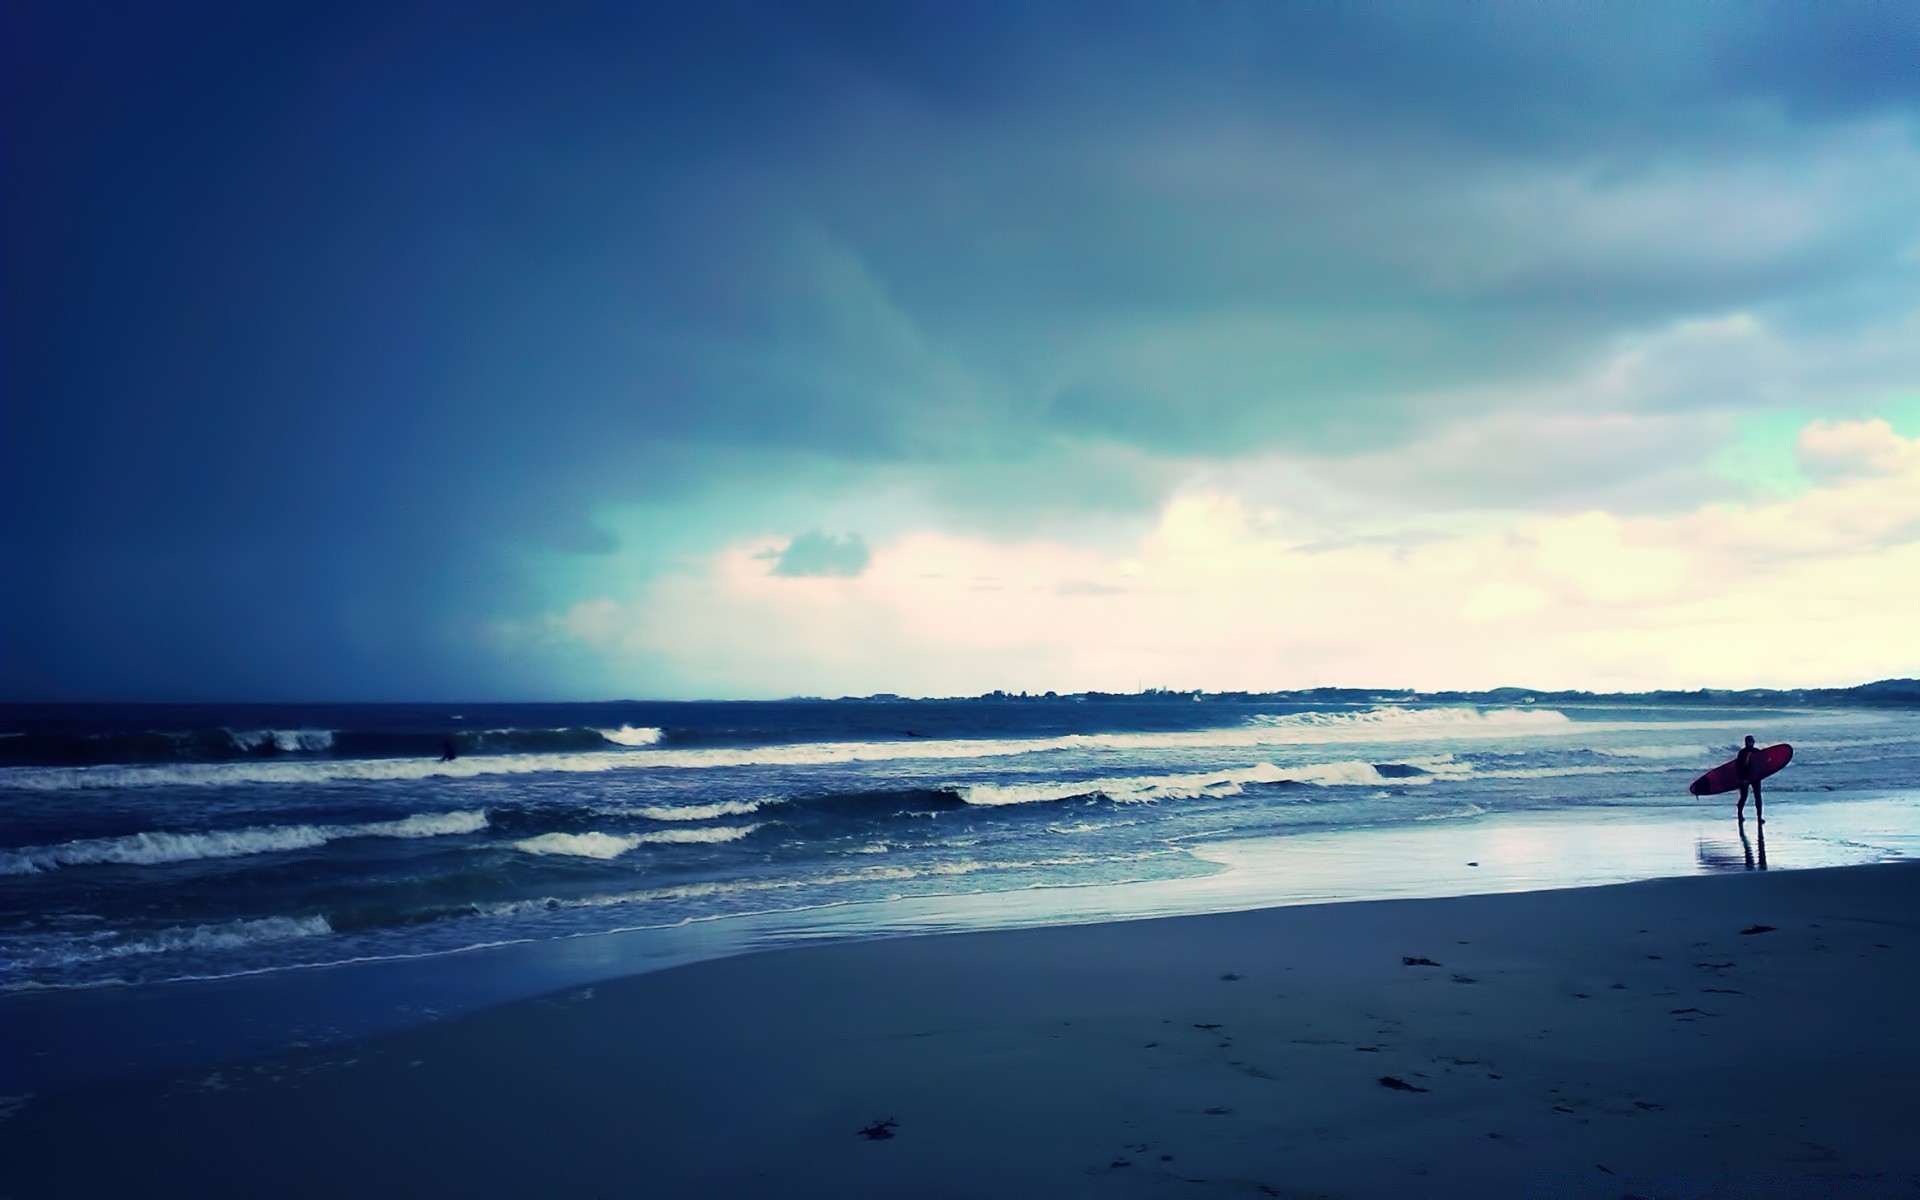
[
  {"x": 578, "y": 845},
  {"x": 595, "y": 844},
  {"x": 629, "y": 735},
  {"x": 1390, "y": 723},
  {"x": 1396, "y": 721},
  {"x": 697, "y": 812},
  {"x": 1149, "y": 788},
  {"x": 286, "y": 741},
  {"x": 718, "y": 833},
  {"x": 160, "y": 846},
  {"x": 1701, "y": 753},
  {"x": 219, "y": 937}
]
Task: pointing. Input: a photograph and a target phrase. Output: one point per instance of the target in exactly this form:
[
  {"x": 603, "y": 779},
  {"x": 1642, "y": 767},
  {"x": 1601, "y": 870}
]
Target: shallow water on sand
[{"x": 69, "y": 1036}]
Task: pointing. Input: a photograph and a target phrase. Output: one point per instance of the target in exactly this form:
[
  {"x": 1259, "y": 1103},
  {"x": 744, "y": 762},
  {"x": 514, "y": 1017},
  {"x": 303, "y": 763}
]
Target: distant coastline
[
  {"x": 1892, "y": 693},
  {"x": 1881, "y": 693}
]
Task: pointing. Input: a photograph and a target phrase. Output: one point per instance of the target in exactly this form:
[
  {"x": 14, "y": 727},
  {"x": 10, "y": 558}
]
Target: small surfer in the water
[
  {"x": 447, "y": 754},
  {"x": 1744, "y": 766}
]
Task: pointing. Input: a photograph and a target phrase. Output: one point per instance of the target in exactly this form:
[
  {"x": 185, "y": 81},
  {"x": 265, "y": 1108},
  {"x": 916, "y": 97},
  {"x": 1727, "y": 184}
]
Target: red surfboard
[{"x": 1726, "y": 777}]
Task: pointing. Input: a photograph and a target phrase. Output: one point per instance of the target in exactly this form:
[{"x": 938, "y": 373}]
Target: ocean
[{"x": 140, "y": 846}]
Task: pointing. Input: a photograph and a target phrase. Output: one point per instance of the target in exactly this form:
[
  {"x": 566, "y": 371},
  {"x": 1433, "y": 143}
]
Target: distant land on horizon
[
  {"x": 1887, "y": 692},
  {"x": 1881, "y": 693}
]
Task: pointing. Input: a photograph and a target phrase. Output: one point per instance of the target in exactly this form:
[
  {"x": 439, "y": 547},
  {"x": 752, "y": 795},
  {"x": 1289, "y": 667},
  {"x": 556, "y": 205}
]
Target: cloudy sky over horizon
[{"x": 449, "y": 351}]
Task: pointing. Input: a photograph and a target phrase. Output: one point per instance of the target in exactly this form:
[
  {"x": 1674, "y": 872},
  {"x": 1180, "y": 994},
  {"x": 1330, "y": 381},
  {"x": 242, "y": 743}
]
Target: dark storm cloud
[
  {"x": 1830, "y": 61},
  {"x": 318, "y": 318}
]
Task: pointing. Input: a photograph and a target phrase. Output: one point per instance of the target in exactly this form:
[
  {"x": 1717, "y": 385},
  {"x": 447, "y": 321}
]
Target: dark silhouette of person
[
  {"x": 1747, "y": 846},
  {"x": 1744, "y": 765},
  {"x": 448, "y": 754}
]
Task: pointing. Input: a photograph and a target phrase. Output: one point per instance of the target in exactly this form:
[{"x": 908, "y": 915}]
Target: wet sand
[{"x": 1723, "y": 1035}]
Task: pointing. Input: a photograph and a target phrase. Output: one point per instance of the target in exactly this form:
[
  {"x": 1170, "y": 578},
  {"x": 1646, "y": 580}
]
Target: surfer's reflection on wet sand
[
  {"x": 1716, "y": 855},
  {"x": 1760, "y": 839}
]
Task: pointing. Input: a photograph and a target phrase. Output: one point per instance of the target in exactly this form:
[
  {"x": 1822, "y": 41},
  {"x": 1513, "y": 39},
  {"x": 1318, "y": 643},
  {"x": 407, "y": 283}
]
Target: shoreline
[
  {"x": 72, "y": 1037},
  {"x": 1598, "y": 1034}
]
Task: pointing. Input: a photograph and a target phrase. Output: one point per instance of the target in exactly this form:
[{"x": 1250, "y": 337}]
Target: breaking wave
[
  {"x": 1459, "y": 812},
  {"x": 578, "y": 845},
  {"x": 628, "y": 735},
  {"x": 286, "y": 741},
  {"x": 1394, "y": 721},
  {"x": 238, "y": 748},
  {"x": 608, "y": 845},
  {"x": 1149, "y": 788},
  {"x": 1311, "y": 728},
  {"x": 695, "y": 812},
  {"x": 1704, "y": 754},
  {"x": 719, "y": 833},
  {"x": 1559, "y": 772},
  {"x": 190, "y": 938},
  {"x": 159, "y": 846}
]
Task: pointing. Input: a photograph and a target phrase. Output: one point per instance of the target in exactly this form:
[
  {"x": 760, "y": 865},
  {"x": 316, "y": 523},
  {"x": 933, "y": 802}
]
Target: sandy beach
[{"x": 1729, "y": 1035}]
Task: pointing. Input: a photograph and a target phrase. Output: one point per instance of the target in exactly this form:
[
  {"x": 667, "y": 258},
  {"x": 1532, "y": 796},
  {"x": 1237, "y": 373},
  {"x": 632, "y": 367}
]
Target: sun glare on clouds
[{"x": 1215, "y": 595}]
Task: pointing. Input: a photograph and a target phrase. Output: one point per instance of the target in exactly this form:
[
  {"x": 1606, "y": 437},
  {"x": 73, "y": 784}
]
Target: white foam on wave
[
  {"x": 716, "y": 833},
  {"x": 876, "y": 874},
  {"x": 227, "y": 936},
  {"x": 693, "y": 812},
  {"x": 1398, "y": 722},
  {"x": 1459, "y": 812},
  {"x": 579, "y": 845},
  {"x": 611, "y": 845},
  {"x": 1704, "y": 753},
  {"x": 419, "y": 825},
  {"x": 631, "y": 735},
  {"x": 160, "y": 846},
  {"x": 1150, "y": 788},
  {"x": 287, "y": 741},
  {"x": 240, "y": 774},
  {"x": 1391, "y": 723},
  {"x": 1558, "y": 772},
  {"x": 1439, "y": 766},
  {"x": 190, "y": 938}
]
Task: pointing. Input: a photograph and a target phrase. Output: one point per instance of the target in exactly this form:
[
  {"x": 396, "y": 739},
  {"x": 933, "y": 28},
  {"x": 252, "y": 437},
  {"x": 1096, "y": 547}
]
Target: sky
[{"x": 569, "y": 351}]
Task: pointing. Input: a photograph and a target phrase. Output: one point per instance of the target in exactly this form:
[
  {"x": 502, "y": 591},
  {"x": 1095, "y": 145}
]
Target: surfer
[
  {"x": 447, "y": 754},
  {"x": 1744, "y": 767}
]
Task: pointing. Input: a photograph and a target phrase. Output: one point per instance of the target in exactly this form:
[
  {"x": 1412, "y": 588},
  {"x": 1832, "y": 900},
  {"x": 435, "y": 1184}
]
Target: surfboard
[{"x": 1726, "y": 777}]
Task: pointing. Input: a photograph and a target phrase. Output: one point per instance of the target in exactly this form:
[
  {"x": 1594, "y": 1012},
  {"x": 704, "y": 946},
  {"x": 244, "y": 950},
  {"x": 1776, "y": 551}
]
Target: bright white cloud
[
  {"x": 1818, "y": 589},
  {"x": 1837, "y": 450}
]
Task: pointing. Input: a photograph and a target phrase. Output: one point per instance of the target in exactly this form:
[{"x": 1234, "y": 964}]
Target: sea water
[{"x": 140, "y": 846}]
